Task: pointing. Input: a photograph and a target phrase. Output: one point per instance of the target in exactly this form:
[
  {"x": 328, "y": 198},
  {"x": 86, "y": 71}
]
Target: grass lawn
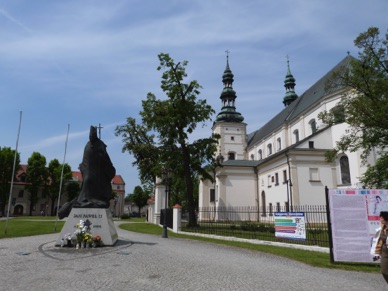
[{"x": 29, "y": 225}]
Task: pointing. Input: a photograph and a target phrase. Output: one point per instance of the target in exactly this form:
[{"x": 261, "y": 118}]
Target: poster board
[
  {"x": 290, "y": 225},
  {"x": 354, "y": 215}
]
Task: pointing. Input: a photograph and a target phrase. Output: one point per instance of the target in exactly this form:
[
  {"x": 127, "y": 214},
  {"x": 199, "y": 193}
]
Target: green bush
[
  {"x": 249, "y": 226},
  {"x": 125, "y": 216}
]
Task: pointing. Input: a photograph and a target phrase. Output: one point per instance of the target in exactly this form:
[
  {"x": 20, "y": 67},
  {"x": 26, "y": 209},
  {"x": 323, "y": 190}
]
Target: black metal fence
[{"x": 258, "y": 223}]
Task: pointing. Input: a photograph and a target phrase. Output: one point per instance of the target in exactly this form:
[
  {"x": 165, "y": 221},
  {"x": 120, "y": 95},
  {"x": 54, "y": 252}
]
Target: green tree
[
  {"x": 72, "y": 188},
  {"x": 36, "y": 177},
  {"x": 55, "y": 173},
  {"x": 139, "y": 197},
  {"x": 162, "y": 140},
  {"x": 366, "y": 103},
  {"x": 7, "y": 157}
]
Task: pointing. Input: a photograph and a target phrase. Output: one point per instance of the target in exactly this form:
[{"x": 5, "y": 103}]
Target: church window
[
  {"x": 313, "y": 125},
  {"x": 345, "y": 170},
  {"x": 231, "y": 156},
  {"x": 263, "y": 203},
  {"x": 296, "y": 135},
  {"x": 212, "y": 195},
  {"x": 269, "y": 149},
  {"x": 279, "y": 141},
  {"x": 252, "y": 157},
  {"x": 260, "y": 152},
  {"x": 314, "y": 174}
]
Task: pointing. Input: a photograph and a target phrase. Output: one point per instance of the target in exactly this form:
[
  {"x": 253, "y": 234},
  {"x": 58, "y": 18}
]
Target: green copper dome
[
  {"x": 228, "y": 97},
  {"x": 289, "y": 84}
]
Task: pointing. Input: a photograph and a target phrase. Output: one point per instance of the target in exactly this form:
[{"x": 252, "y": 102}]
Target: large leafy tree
[
  {"x": 72, "y": 188},
  {"x": 366, "y": 104},
  {"x": 55, "y": 175},
  {"x": 139, "y": 197},
  {"x": 162, "y": 139},
  {"x": 36, "y": 177},
  {"x": 7, "y": 158}
]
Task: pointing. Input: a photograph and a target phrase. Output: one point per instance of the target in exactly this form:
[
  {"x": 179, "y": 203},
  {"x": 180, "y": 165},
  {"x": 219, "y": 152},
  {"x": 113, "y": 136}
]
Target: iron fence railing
[{"x": 259, "y": 223}]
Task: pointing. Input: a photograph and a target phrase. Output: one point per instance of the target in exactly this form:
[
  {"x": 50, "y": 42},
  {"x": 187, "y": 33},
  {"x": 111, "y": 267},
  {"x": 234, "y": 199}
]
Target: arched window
[
  {"x": 269, "y": 149},
  {"x": 231, "y": 156},
  {"x": 296, "y": 135},
  {"x": 263, "y": 204},
  {"x": 252, "y": 156},
  {"x": 260, "y": 153},
  {"x": 345, "y": 170},
  {"x": 313, "y": 125},
  {"x": 279, "y": 142}
]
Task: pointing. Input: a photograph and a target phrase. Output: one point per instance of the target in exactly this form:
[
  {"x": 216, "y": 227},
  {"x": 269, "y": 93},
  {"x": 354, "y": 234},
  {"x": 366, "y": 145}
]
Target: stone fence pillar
[{"x": 177, "y": 214}]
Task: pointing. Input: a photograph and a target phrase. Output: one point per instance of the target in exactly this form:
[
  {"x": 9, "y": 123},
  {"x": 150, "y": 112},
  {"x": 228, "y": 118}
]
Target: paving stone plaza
[{"x": 148, "y": 262}]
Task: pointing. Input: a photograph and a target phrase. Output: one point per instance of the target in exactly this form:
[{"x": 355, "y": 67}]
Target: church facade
[{"x": 281, "y": 164}]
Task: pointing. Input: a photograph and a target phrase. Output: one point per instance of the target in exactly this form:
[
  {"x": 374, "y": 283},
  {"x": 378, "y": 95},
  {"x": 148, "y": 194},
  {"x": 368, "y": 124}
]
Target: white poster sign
[
  {"x": 354, "y": 216},
  {"x": 290, "y": 225}
]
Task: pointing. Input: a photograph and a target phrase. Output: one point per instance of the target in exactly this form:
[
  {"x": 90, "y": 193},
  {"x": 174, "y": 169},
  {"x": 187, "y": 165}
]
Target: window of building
[
  {"x": 212, "y": 195},
  {"x": 252, "y": 157},
  {"x": 270, "y": 209},
  {"x": 279, "y": 142},
  {"x": 313, "y": 125},
  {"x": 276, "y": 179},
  {"x": 269, "y": 149},
  {"x": 278, "y": 206},
  {"x": 345, "y": 171},
  {"x": 269, "y": 181},
  {"x": 231, "y": 156},
  {"x": 232, "y": 138},
  {"x": 314, "y": 174},
  {"x": 21, "y": 193},
  {"x": 263, "y": 204},
  {"x": 296, "y": 135},
  {"x": 260, "y": 152},
  {"x": 284, "y": 176}
]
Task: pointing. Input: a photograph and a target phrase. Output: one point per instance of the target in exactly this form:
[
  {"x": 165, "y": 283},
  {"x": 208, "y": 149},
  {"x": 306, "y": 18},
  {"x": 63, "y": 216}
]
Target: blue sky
[{"x": 92, "y": 62}]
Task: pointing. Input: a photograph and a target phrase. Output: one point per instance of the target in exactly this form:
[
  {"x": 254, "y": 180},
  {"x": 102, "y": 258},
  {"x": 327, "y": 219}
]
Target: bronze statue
[{"x": 97, "y": 174}]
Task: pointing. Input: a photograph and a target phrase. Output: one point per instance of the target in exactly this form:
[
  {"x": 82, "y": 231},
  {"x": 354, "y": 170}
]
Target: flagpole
[
  {"x": 13, "y": 173},
  {"x": 60, "y": 185}
]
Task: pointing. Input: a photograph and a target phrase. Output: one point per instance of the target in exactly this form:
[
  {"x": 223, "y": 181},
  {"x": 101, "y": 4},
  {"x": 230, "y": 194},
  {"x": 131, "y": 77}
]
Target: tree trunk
[{"x": 189, "y": 187}]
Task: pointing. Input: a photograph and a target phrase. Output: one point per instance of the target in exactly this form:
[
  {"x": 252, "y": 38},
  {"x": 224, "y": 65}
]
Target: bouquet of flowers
[
  {"x": 67, "y": 240},
  {"x": 97, "y": 241}
]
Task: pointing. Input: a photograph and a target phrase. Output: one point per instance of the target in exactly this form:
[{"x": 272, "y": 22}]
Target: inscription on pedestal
[{"x": 101, "y": 224}]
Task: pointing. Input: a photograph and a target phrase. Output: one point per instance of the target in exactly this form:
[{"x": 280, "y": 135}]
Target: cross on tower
[
  {"x": 99, "y": 130},
  {"x": 227, "y": 53}
]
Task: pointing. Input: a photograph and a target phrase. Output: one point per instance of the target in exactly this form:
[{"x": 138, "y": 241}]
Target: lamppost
[{"x": 166, "y": 176}]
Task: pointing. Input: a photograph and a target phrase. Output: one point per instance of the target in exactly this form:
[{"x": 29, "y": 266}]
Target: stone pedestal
[{"x": 101, "y": 224}]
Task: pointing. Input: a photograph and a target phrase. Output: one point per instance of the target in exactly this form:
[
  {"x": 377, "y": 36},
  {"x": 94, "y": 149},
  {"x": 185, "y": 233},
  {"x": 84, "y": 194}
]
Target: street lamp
[{"x": 166, "y": 176}]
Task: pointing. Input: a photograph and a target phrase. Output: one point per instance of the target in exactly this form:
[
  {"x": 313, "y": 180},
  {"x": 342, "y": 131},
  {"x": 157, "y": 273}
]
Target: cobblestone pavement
[{"x": 147, "y": 262}]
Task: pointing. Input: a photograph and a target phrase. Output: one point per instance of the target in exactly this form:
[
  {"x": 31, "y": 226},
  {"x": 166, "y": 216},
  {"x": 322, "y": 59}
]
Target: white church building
[{"x": 283, "y": 163}]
